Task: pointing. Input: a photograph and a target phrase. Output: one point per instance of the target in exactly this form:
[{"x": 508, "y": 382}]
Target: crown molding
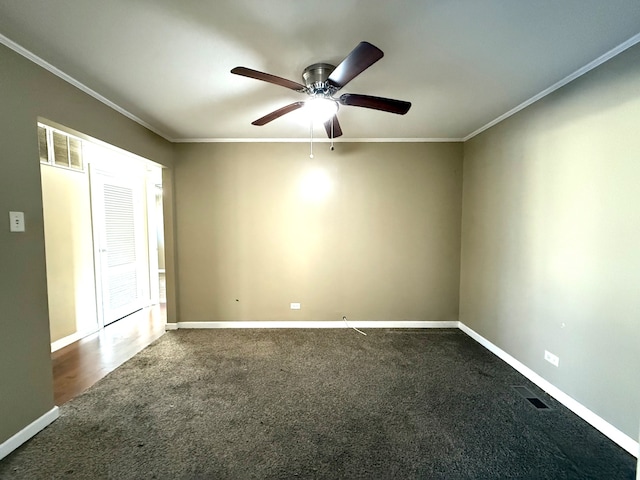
[
  {"x": 29, "y": 55},
  {"x": 569, "y": 78},
  {"x": 69, "y": 79},
  {"x": 316, "y": 140}
]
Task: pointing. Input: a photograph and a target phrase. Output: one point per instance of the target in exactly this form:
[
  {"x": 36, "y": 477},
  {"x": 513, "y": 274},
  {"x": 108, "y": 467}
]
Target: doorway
[{"x": 101, "y": 220}]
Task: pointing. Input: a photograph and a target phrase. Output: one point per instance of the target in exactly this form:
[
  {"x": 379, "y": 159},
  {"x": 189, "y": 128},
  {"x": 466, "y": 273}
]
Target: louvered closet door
[
  {"x": 121, "y": 249},
  {"x": 118, "y": 211}
]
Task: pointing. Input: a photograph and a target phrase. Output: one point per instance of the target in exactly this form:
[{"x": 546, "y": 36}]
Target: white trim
[
  {"x": 569, "y": 78},
  {"x": 317, "y": 140},
  {"x": 81, "y": 86},
  {"x": 618, "y": 437},
  {"x": 28, "y": 432},
  {"x": 320, "y": 324},
  {"x": 626, "y": 442},
  {"x": 46, "y": 123},
  {"x": 68, "y": 340},
  {"x": 69, "y": 79}
]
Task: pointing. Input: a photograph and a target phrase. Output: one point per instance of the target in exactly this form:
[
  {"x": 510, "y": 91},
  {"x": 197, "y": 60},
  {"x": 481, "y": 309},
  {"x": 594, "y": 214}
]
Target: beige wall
[
  {"x": 26, "y": 93},
  {"x": 551, "y": 238},
  {"x": 69, "y": 252},
  {"x": 378, "y": 240}
]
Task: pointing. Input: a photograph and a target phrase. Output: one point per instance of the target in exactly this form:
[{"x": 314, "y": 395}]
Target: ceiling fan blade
[
  {"x": 377, "y": 103},
  {"x": 267, "y": 77},
  {"x": 337, "y": 131},
  {"x": 277, "y": 114},
  {"x": 360, "y": 58}
]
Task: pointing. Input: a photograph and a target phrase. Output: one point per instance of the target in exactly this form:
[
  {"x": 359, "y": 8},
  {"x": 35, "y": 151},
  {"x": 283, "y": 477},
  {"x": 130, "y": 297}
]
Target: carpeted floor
[{"x": 321, "y": 404}]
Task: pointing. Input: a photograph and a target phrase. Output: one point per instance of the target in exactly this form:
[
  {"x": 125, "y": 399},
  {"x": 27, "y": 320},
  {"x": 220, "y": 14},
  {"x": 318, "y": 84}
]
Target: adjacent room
[{"x": 437, "y": 277}]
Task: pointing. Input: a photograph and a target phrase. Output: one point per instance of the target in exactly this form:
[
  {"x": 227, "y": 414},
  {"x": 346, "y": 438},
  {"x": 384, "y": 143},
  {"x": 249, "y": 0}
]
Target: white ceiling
[{"x": 462, "y": 63}]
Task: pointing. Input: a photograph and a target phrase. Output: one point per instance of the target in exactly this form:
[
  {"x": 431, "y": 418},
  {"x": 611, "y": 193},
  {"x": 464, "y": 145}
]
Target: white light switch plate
[
  {"x": 295, "y": 306},
  {"x": 16, "y": 221}
]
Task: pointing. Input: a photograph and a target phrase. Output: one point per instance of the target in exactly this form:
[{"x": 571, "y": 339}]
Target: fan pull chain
[{"x": 331, "y": 147}]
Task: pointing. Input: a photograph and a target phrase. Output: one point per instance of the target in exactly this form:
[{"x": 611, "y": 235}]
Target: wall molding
[
  {"x": 64, "y": 341},
  {"x": 622, "y": 439},
  {"x": 69, "y": 339},
  {"x": 29, "y": 55},
  {"x": 568, "y": 79},
  {"x": 319, "y": 324},
  {"x": 317, "y": 140},
  {"x": 71, "y": 80},
  {"x": 611, "y": 432},
  {"x": 27, "y": 432}
]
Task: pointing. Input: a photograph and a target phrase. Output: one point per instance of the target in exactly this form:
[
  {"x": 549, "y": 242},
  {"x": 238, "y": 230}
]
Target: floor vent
[{"x": 532, "y": 398}]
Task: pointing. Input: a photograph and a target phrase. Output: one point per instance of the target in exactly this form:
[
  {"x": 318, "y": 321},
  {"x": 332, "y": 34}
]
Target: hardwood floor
[{"x": 78, "y": 366}]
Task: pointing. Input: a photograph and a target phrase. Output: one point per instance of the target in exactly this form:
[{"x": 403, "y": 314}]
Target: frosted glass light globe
[{"x": 320, "y": 109}]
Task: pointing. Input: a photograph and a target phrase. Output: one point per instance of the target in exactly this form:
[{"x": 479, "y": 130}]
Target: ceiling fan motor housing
[{"x": 315, "y": 78}]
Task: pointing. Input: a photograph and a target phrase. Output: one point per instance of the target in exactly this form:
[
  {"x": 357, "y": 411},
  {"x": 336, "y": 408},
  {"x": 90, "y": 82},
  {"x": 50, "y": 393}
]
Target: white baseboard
[
  {"x": 69, "y": 339},
  {"x": 27, "y": 432},
  {"x": 319, "y": 324},
  {"x": 626, "y": 442},
  {"x": 170, "y": 326},
  {"x": 620, "y": 438}
]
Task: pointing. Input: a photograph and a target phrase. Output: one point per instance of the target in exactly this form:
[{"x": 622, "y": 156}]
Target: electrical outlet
[
  {"x": 551, "y": 358},
  {"x": 16, "y": 221},
  {"x": 295, "y": 306}
]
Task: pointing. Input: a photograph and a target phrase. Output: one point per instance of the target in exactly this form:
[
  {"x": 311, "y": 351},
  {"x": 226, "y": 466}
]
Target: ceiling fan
[{"x": 322, "y": 81}]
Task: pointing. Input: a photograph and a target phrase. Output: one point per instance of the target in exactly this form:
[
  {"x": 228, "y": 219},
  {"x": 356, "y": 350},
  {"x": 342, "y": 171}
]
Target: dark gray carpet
[{"x": 321, "y": 404}]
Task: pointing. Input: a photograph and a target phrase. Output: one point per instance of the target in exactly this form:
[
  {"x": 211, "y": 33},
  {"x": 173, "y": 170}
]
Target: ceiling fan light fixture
[
  {"x": 321, "y": 82},
  {"x": 320, "y": 109}
]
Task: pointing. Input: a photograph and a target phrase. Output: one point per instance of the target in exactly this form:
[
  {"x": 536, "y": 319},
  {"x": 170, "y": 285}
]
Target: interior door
[{"x": 120, "y": 233}]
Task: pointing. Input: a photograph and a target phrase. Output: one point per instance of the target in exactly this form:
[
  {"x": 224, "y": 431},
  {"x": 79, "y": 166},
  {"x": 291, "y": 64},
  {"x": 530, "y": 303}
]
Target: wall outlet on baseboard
[
  {"x": 551, "y": 358},
  {"x": 295, "y": 306}
]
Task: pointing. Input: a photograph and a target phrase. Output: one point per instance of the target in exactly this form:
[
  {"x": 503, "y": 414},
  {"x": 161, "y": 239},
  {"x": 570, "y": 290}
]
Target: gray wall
[
  {"x": 381, "y": 243},
  {"x": 26, "y": 93},
  {"x": 551, "y": 238},
  {"x": 550, "y": 233}
]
